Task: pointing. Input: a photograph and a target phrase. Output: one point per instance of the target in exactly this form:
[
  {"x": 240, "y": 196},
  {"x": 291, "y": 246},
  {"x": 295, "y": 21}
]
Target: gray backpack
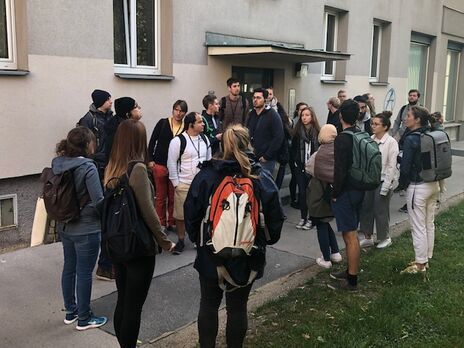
[{"x": 436, "y": 156}]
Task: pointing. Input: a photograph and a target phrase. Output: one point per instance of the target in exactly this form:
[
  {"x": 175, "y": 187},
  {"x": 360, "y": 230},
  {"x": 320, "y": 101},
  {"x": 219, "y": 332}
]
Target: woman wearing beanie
[
  {"x": 304, "y": 144},
  {"x": 376, "y": 205},
  {"x": 126, "y": 108},
  {"x": 321, "y": 167}
]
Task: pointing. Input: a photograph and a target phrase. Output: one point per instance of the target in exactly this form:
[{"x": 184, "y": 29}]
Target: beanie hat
[
  {"x": 123, "y": 106},
  {"x": 99, "y": 97},
  {"x": 327, "y": 134}
]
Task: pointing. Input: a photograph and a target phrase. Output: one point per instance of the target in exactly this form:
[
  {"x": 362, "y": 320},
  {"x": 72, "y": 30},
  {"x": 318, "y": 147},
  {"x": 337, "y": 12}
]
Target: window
[
  {"x": 7, "y": 35},
  {"x": 330, "y": 43},
  {"x": 8, "y": 211},
  {"x": 375, "y": 53},
  {"x": 417, "y": 70},
  {"x": 451, "y": 82},
  {"x": 136, "y": 36}
]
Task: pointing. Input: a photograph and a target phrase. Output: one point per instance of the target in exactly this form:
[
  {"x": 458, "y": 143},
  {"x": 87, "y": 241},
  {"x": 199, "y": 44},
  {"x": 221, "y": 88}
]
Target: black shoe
[
  {"x": 179, "y": 248},
  {"x": 343, "y": 275},
  {"x": 106, "y": 274},
  {"x": 170, "y": 228},
  {"x": 404, "y": 209},
  {"x": 344, "y": 286},
  {"x": 295, "y": 205}
]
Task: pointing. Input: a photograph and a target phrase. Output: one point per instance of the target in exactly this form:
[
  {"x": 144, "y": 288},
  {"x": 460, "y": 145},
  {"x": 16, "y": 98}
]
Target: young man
[
  {"x": 346, "y": 200},
  {"x": 342, "y": 95},
  {"x": 399, "y": 126},
  {"x": 212, "y": 122},
  {"x": 266, "y": 130},
  {"x": 183, "y": 166},
  {"x": 164, "y": 131},
  {"x": 363, "y": 121},
  {"x": 234, "y": 107},
  {"x": 334, "y": 114}
]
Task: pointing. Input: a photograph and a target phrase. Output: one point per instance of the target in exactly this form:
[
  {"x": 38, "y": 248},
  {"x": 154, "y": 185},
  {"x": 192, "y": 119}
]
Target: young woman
[
  {"x": 80, "y": 238},
  {"x": 133, "y": 278},
  {"x": 318, "y": 196},
  {"x": 237, "y": 160},
  {"x": 421, "y": 196},
  {"x": 376, "y": 205},
  {"x": 304, "y": 144}
]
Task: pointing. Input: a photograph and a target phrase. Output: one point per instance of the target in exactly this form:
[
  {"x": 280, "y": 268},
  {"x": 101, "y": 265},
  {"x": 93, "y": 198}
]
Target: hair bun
[{"x": 387, "y": 114}]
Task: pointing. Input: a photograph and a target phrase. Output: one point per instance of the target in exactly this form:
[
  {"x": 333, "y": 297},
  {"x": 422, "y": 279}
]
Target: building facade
[{"x": 54, "y": 53}]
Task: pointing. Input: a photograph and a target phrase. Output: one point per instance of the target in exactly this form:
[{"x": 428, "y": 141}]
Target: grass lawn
[{"x": 389, "y": 310}]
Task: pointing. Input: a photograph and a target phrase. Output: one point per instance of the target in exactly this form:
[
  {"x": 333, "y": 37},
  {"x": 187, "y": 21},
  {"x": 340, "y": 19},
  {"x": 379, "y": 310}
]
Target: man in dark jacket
[
  {"x": 266, "y": 130},
  {"x": 95, "y": 119},
  {"x": 364, "y": 117},
  {"x": 212, "y": 122},
  {"x": 333, "y": 104},
  {"x": 346, "y": 199}
]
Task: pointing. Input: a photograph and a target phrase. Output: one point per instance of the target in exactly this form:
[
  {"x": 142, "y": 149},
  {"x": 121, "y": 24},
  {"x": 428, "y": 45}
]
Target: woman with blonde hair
[
  {"x": 237, "y": 162},
  {"x": 133, "y": 278}
]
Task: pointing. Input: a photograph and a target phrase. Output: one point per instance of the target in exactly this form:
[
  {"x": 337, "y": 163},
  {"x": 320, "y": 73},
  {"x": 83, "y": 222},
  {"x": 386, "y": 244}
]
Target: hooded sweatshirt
[{"x": 85, "y": 180}]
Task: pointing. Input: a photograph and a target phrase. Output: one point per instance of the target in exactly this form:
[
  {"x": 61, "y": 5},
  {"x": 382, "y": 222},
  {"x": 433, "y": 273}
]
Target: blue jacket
[
  {"x": 85, "y": 180},
  {"x": 411, "y": 165},
  {"x": 197, "y": 201}
]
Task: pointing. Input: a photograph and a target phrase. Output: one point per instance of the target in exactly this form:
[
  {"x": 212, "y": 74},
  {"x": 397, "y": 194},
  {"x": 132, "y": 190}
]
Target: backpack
[
  {"x": 60, "y": 196},
  {"x": 436, "y": 155},
  {"x": 183, "y": 145},
  {"x": 125, "y": 236},
  {"x": 95, "y": 130},
  {"x": 367, "y": 162},
  {"x": 231, "y": 222}
]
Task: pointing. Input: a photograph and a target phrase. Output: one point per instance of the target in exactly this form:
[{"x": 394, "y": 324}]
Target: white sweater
[
  {"x": 196, "y": 151},
  {"x": 388, "y": 147}
]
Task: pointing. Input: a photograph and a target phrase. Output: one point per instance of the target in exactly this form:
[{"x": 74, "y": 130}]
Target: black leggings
[
  {"x": 236, "y": 306},
  {"x": 133, "y": 280}
]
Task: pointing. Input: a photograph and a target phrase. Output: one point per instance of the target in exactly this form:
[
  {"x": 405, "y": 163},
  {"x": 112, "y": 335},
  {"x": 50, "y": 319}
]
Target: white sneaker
[
  {"x": 336, "y": 257},
  {"x": 307, "y": 226},
  {"x": 366, "y": 243},
  {"x": 300, "y": 224},
  {"x": 385, "y": 243},
  {"x": 323, "y": 263}
]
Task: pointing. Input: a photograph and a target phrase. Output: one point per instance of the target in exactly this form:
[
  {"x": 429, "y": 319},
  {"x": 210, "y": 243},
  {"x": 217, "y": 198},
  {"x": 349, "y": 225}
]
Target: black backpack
[
  {"x": 60, "y": 197},
  {"x": 183, "y": 145},
  {"x": 125, "y": 235}
]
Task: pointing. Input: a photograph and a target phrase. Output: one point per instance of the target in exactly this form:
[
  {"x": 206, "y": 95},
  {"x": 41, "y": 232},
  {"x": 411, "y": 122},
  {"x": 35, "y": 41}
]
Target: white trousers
[{"x": 422, "y": 199}]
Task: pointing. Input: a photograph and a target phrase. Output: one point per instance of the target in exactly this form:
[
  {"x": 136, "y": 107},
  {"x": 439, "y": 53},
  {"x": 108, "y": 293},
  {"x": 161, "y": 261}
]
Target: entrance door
[{"x": 252, "y": 78}]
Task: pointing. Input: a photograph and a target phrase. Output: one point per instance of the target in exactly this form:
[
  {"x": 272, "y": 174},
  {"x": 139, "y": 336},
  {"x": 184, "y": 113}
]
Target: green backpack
[{"x": 367, "y": 162}]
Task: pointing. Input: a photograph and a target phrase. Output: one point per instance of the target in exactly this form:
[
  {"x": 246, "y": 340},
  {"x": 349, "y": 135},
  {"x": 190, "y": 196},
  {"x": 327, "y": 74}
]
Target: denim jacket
[{"x": 411, "y": 165}]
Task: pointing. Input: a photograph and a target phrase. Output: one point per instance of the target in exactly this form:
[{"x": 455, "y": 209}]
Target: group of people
[{"x": 187, "y": 155}]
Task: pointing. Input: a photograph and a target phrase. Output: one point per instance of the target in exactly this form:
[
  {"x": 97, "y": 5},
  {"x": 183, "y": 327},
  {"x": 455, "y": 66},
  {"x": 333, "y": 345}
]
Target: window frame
[
  {"x": 379, "y": 52},
  {"x": 328, "y": 13},
  {"x": 10, "y": 63},
  {"x": 426, "y": 67},
  {"x": 130, "y": 25},
  {"x": 446, "y": 87},
  {"x": 15, "y": 210}
]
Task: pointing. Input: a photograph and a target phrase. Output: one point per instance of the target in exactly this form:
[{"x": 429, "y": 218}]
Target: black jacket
[
  {"x": 159, "y": 142},
  {"x": 334, "y": 118},
  {"x": 110, "y": 129},
  {"x": 197, "y": 201},
  {"x": 266, "y": 133},
  {"x": 411, "y": 162},
  {"x": 298, "y": 148},
  {"x": 211, "y": 130},
  {"x": 343, "y": 153}
]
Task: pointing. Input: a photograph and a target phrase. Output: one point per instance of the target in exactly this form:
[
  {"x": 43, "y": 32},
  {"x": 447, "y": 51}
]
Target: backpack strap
[
  {"x": 209, "y": 130},
  {"x": 224, "y": 276}
]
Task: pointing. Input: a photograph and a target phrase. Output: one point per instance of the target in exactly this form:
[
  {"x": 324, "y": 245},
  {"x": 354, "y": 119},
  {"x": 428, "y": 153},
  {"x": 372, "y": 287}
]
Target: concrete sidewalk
[{"x": 30, "y": 292}]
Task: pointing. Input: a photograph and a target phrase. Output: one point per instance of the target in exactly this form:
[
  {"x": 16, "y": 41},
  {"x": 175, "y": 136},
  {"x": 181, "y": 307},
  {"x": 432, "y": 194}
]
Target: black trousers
[
  {"x": 236, "y": 307},
  {"x": 133, "y": 281}
]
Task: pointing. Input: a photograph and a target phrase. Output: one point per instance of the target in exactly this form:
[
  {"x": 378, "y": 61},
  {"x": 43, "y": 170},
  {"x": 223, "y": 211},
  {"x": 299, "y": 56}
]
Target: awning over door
[{"x": 229, "y": 45}]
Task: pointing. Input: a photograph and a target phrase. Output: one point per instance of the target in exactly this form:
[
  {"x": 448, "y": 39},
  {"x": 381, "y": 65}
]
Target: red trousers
[{"x": 164, "y": 192}]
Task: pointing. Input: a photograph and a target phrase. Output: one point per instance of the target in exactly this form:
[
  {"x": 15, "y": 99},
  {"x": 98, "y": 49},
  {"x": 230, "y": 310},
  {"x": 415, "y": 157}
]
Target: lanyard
[{"x": 197, "y": 149}]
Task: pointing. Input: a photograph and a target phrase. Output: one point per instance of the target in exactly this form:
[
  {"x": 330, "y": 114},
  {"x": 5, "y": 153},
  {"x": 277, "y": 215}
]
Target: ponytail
[{"x": 236, "y": 142}]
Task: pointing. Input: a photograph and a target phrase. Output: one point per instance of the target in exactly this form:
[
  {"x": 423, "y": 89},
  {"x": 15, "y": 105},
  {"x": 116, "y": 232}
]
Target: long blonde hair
[
  {"x": 130, "y": 144},
  {"x": 236, "y": 142}
]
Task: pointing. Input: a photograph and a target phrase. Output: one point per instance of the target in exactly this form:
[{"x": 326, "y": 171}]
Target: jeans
[
  {"x": 302, "y": 181},
  {"x": 376, "y": 208},
  {"x": 164, "y": 195},
  {"x": 80, "y": 256},
  {"x": 269, "y": 166},
  {"x": 133, "y": 281},
  {"x": 236, "y": 307},
  {"x": 327, "y": 241}
]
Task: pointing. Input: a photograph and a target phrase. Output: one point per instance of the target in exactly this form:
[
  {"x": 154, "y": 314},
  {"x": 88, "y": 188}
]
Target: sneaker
[
  {"x": 344, "y": 286},
  {"x": 300, "y": 224},
  {"x": 104, "y": 274},
  {"x": 70, "y": 318},
  {"x": 343, "y": 275},
  {"x": 366, "y": 243},
  {"x": 403, "y": 209},
  {"x": 413, "y": 269},
  {"x": 307, "y": 226},
  {"x": 179, "y": 248},
  {"x": 323, "y": 263},
  {"x": 384, "y": 244},
  {"x": 91, "y": 323},
  {"x": 336, "y": 257}
]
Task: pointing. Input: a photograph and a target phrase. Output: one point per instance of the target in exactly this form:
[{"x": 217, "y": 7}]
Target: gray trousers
[{"x": 376, "y": 207}]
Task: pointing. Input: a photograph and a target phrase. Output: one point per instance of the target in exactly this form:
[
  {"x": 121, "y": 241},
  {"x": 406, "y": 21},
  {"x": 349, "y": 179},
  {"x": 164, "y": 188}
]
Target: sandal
[{"x": 413, "y": 269}]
